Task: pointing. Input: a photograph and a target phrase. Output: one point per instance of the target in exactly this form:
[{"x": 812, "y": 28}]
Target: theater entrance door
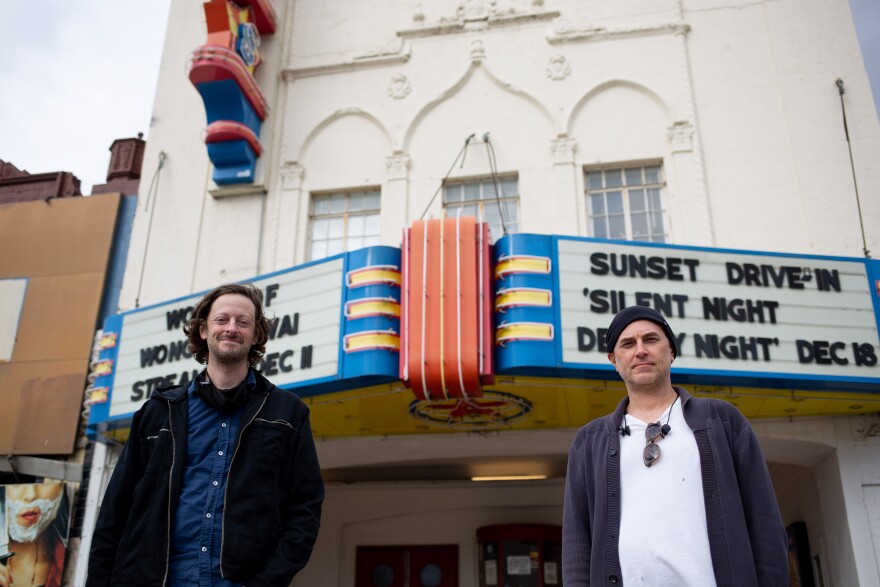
[{"x": 407, "y": 566}]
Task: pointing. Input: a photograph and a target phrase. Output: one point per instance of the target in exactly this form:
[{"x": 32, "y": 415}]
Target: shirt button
[
  {"x": 220, "y": 452},
  {"x": 214, "y": 482},
  {"x": 612, "y": 452},
  {"x": 223, "y": 424},
  {"x": 205, "y": 549},
  {"x": 207, "y": 515},
  {"x": 612, "y": 579}
]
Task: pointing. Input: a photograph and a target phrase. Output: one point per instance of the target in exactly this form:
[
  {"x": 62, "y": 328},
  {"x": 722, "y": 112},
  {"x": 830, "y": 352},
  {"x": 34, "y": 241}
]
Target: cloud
[{"x": 83, "y": 74}]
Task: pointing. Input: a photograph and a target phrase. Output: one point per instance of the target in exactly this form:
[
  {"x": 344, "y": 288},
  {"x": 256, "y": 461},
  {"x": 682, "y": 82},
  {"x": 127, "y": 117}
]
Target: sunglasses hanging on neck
[{"x": 654, "y": 431}]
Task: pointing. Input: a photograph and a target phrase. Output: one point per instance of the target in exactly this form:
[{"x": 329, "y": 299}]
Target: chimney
[
  {"x": 126, "y": 158},
  {"x": 124, "y": 172}
]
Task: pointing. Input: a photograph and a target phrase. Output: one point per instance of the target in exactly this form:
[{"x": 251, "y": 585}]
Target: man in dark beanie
[{"x": 703, "y": 514}]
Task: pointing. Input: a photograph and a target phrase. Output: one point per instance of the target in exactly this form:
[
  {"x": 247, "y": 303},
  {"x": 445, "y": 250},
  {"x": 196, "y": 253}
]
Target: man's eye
[{"x": 220, "y": 320}]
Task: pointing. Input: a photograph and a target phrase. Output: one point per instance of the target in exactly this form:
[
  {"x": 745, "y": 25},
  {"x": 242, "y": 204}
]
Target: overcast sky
[{"x": 77, "y": 75}]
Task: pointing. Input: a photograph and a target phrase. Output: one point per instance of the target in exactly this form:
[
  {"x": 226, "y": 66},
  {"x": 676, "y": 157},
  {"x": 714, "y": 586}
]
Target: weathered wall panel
[{"x": 63, "y": 247}]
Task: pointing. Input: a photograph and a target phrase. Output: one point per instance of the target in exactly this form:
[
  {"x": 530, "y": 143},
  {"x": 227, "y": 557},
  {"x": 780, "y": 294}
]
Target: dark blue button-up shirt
[{"x": 197, "y": 531}]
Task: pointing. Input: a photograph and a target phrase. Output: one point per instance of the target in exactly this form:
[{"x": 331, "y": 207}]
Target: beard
[
  {"x": 48, "y": 511},
  {"x": 227, "y": 356}
]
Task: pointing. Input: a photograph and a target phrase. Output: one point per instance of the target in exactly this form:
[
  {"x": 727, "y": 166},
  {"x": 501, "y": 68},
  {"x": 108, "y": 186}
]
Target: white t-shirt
[{"x": 663, "y": 536}]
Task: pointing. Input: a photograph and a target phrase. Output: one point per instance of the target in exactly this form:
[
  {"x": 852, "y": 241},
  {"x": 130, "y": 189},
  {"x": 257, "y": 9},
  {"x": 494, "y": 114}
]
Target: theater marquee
[
  {"x": 740, "y": 317},
  {"x": 390, "y": 341}
]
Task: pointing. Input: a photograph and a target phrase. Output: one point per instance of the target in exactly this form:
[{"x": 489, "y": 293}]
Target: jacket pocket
[
  {"x": 273, "y": 442},
  {"x": 155, "y": 451}
]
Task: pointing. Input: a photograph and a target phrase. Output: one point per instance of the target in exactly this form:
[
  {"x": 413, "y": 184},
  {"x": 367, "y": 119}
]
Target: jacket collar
[
  {"x": 257, "y": 384},
  {"x": 693, "y": 415}
]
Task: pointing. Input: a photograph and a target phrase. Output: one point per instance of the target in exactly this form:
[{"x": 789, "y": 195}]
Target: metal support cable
[{"x": 842, "y": 91}]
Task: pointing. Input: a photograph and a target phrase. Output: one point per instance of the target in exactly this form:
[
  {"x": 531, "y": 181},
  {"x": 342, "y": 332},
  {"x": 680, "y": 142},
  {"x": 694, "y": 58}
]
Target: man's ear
[
  {"x": 203, "y": 332},
  {"x": 612, "y": 359}
]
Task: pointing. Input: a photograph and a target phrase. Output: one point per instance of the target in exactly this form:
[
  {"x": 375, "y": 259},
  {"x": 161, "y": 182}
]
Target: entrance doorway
[{"x": 407, "y": 566}]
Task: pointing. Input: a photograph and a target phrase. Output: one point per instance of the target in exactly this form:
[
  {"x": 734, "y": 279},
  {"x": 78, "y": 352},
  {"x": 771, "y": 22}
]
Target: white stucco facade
[{"x": 735, "y": 100}]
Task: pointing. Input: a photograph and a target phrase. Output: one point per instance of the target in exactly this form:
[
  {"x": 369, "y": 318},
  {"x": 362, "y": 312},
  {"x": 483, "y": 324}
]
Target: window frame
[
  {"x": 626, "y": 211},
  {"x": 347, "y": 213},
  {"x": 485, "y": 184}
]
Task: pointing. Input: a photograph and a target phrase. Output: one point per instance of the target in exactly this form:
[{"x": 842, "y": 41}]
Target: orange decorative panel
[{"x": 446, "y": 314}]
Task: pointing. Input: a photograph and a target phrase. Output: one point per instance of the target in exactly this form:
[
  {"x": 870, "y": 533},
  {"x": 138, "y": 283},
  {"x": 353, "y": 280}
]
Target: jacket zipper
[
  {"x": 226, "y": 489},
  {"x": 170, "y": 479}
]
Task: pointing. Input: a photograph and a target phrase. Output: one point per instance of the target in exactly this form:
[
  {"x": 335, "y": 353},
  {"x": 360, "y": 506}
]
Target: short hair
[{"x": 199, "y": 318}]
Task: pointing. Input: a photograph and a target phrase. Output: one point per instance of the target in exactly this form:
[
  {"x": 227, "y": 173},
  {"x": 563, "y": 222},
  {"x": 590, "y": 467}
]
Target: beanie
[{"x": 629, "y": 315}]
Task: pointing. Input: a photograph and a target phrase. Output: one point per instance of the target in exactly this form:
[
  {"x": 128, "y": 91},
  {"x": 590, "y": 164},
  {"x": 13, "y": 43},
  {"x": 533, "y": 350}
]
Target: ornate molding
[
  {"x": 681, "y": 136},
  {"x": 399, "y": 87},
  {"x": 473, "y": 15},
  {"x": 394, "y": 52},
  {"x": 478, "y": 51},
  {"x": 397, "y": 165},
  {"x": 563, "y": 150},
  {"x": 292, "y": 176},
  {"x": 228, "y": 191},
  {"x": 564, "y": 31},
  {"x": 558, "y": 68}
]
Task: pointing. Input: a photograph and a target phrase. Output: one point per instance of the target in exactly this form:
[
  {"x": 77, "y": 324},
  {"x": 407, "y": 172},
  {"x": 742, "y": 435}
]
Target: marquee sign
[
  {"x": 310, "y": 346},
  {"x": 345, "y": 326},
  {"x": 740, "y": 317}
]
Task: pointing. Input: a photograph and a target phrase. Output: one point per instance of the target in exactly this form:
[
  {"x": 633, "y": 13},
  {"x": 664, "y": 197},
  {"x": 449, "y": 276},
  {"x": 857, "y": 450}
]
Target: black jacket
[
  {"x": 747, "y": 538},
  {"x": 273, "y": 495}
]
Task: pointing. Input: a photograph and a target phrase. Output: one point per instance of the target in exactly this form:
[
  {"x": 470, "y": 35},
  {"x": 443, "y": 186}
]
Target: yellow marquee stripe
[
  {"x": 522, "y": 264},
  {"x": 107, "y": 341},
  {"x": 522, "y": 296},
  {"x": 378, "y": 274},
  {"x": 523, "y": 331},
  {"x": 97, "y": 395},
  {"x": 372, "y": 307},
  {"x": 104, "y": 367},
  {"x": 373, "y": 339}
]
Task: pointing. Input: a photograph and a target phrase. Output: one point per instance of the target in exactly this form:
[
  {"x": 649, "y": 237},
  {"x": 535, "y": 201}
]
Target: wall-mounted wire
[
  {"x": 493, "y": 169},
  {"x": 445, "y": 177},
  {"x": 152, "y": 192}
]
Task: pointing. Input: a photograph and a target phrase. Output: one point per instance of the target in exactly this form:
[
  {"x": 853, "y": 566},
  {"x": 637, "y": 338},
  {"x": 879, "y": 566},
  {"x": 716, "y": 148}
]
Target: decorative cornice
[
  {"x": 394, "y": 53},
  {"x": 564, "y": 31},
  {"x": 477, "y": 16}
]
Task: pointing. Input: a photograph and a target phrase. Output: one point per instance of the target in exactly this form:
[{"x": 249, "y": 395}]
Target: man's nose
[{"x": 30, "y": 493}]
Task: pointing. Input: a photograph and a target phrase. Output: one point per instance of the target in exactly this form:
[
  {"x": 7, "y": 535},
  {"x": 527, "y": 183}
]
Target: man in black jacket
[{"x": 219, "y": 482}]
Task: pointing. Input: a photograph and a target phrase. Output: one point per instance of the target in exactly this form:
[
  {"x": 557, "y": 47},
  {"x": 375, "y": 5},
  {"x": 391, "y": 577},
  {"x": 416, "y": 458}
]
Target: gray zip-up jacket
[{"x": 747, "y": 539}]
